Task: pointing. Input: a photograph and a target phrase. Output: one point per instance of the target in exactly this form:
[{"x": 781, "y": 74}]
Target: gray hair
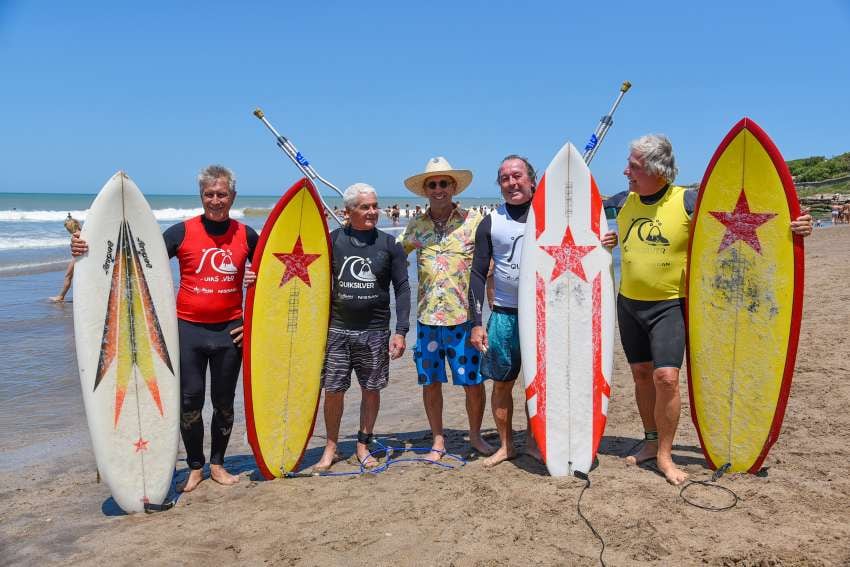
[
  {"x": 353, "y": 192},
  {"x": 657, "y": 154},
  {"x": 528, "y": 168},
  {"x": 210, "y": 173}
]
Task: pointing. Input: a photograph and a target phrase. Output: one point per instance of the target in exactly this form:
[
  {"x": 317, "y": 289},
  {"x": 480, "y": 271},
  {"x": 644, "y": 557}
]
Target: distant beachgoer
[
  {"x": 394, "y": 214},
  {"x": 651, "y": 298},
  {"x": 836, "y": 214},
  {"x": 418, "y": 211},
  {"x": 845, "y": 213},
  {"x": 209, "y": 317},
  {"x": 72, "y": 225},
  {"x": 444, "y": 240},
  {"x": 365, "y": 262}
]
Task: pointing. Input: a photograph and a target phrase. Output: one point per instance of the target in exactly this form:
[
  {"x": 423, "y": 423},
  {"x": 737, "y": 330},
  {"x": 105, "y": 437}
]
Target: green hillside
[{"x": 819, "y": 168}]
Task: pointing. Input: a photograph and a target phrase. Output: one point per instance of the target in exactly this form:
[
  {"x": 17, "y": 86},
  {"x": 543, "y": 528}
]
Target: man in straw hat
[{"x": 444, "y": 237}]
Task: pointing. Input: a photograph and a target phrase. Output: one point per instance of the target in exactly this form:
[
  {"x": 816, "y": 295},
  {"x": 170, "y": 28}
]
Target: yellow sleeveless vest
[{"x": 654, "y": 246}]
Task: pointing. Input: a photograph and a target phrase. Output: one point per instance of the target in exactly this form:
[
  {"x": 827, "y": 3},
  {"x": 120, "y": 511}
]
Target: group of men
[{"x": 458, "y": 251}]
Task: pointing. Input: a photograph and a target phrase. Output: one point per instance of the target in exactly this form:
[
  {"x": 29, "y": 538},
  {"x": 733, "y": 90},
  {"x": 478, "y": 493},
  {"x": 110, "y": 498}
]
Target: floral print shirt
[{"x": 443, "y": 264}]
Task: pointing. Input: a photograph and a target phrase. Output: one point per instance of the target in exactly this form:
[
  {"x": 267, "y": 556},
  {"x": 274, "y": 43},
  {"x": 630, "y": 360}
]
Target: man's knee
[
  {"x": 473, "y": 390},
  {"x": 666, "y": 379},
  {"x": 503, "y": 388},
  {"x": 191, "y": 401},
  {"x": 188, "y": 418},
  {"x": 642, "y": 371}
]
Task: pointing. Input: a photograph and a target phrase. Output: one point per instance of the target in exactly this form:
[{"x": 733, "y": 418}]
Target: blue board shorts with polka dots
[{"x": 436, "y": 345}]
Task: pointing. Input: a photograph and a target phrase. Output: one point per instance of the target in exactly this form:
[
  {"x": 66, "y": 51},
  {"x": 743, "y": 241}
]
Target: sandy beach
[{"x": 514, "y": 514}]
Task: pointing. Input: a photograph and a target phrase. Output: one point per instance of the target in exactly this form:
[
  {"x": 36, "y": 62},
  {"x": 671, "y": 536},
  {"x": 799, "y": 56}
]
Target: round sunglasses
[{"x": 442, "y": 184}]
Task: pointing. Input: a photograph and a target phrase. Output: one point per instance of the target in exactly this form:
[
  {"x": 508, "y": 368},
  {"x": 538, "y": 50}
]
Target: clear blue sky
[{"x": 368, "y": 91}]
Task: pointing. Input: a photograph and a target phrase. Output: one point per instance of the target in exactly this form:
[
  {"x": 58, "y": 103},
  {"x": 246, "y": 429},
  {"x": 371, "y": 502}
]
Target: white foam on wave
[
  {"x": 39, "y": 216},
  {"x": 32, "y": 267},
  {"x": 168, "y": 214},
  {"x": 33, "y": 242}
]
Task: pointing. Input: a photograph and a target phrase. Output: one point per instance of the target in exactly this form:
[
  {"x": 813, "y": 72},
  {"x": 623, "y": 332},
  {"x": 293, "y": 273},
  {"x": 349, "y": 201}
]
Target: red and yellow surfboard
[
  {"x": 745, "y": 297},
  {"x": 286, "y": 328}
]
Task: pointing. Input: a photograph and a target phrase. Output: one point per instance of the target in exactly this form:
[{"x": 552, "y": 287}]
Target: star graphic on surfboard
[
  {"x": 141, "y": 445},
  {"x": 296, "y": 263},
  {"x": 741, "y": 224},
  {"x": 568, "y": 256}
]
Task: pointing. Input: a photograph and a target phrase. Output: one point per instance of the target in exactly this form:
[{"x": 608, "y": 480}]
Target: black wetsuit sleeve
[
  {"x": 401, "y": 287},
  {"x": 173, "y": 237},
  {"x": 253, "y": 238},
  {"x": 481, "y": 257},
  {"x": 690, "y": 201}
]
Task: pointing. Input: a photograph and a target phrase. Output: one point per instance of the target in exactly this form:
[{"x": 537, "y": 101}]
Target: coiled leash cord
[
  {"x": 711, "y": 484},
  {"x": 388, "y": 451}
]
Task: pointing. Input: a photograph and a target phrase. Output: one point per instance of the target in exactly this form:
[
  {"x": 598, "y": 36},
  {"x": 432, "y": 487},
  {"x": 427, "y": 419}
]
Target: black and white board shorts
[{"x": 364, "y": 352}]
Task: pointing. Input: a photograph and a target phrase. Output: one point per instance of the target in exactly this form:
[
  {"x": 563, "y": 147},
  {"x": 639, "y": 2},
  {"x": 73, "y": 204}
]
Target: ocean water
[
  {"x": 33, "y": 238},
  {"x": 40, "y": 401}
]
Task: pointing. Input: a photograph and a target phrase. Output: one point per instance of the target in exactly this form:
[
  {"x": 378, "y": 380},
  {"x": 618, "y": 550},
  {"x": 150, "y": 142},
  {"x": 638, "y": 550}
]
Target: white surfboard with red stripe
[{"x": 567, "y": 315}]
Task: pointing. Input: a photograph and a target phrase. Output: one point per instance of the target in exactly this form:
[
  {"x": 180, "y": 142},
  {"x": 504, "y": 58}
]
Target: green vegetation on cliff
[{"x": 819, "y": 168}]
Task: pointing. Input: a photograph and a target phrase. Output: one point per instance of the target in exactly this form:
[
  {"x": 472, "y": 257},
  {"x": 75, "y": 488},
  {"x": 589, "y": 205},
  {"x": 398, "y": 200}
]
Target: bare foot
[
  {"x": 219, "y": 474},
  {"x": 435, "y": 455},
  {"x": 501, "y": 455},
  {"x": 531, "y": 448},
  {"x": 672, "y": 473},
  {"x": 329, "y": 458},
  {"x": 57, "y": 299},
  {"x": 481, "y": 446},
  {"x": 192, "y": 482},
  {"x": 646, "y": 453},
  {"x": 366, "y": 460}
]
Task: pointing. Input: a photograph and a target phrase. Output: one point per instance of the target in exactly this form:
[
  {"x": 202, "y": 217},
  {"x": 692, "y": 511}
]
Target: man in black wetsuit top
[
  {"x": 365, "y": 262},
  {"x": 212, "y": 251}
]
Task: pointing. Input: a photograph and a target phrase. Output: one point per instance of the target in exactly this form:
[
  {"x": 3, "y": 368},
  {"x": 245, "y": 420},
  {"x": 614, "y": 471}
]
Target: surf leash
[
  {"x": 299, "y": 160},
  {"x": 153, "y": 508},
  {"x": 712, "y": 483},
  {"x": 388, "y": 451},
  {"x": 605, "y": 124},
  {"x": 586, "y": 478}
]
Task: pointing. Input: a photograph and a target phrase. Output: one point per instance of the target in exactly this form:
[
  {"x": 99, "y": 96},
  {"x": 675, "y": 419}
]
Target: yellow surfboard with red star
[
  {"x": 125, "y": 326},
  {"x": 744, "y": 299},
  {"x": 286, "y": 327}
]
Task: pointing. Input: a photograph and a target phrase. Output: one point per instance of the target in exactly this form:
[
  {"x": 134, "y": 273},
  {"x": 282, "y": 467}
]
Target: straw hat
[{"x": 439, "y": 166}]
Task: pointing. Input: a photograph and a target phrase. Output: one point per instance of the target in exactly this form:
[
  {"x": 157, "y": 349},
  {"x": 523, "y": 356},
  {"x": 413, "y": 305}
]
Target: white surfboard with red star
[
  {"x": 567, "y": 315},
  {"x": 125, "y": 326}
]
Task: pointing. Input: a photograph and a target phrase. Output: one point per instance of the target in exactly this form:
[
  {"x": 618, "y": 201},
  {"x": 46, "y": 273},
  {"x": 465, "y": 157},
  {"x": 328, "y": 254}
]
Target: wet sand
[{"x": 514, "y": 514}]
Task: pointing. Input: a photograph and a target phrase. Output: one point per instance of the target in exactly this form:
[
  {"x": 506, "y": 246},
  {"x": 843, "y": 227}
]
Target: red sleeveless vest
[{"x": 211, "y": 272}]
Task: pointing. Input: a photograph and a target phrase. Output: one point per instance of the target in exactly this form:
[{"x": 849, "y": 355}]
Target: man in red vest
[{"x": 212, "y": 250}]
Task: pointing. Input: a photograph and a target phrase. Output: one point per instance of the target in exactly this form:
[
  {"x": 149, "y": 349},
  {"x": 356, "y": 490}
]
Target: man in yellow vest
[{"x": 653, "y": 221}]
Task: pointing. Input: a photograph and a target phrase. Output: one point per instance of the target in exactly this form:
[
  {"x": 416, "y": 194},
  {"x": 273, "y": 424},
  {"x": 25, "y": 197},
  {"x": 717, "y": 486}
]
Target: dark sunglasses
[{"x": 442, "y": 183}]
